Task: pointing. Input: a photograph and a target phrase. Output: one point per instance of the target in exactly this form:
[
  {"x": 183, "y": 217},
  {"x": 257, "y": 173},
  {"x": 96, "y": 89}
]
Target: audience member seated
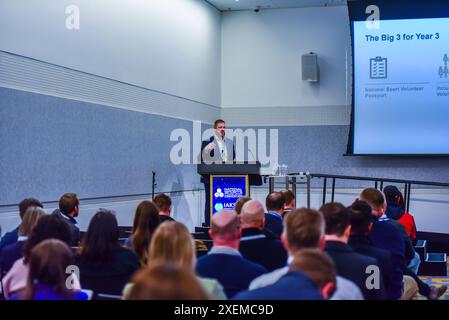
[
  {"x": 304, "y": 228},
  {"x": 47, "y": 227},
  {"x": 68, "y": 211},
  {"x": 173, "y": 244},
  {"x": 11, "y": 253},
  {"x": 255, "y": 245},
  {"x": 349, "y": 264},
  {"x": 290, "y": 201},
  {"x": 146, "y": 220},
  {"x": 275, "y": 208},
  {"x": 239, "y": 204},
  {"x": 386, "y": 236},
  {"x": 47, "y": 278},
  {"x": 224, "y": 262},
  {"x": 396, "y": 211},
  {"x": 163, "y": 202},
  {"x": 105, "y": 266},
  {"x": 310, "y": 276},
  {"x": 166, "y": 282},
  {"x": 361, "y": 224},
  {"x": 12, "y": 236}
]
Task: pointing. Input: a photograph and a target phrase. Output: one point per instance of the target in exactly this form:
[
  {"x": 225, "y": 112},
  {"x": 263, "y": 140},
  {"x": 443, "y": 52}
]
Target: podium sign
[{"x": 225, "y": 190}]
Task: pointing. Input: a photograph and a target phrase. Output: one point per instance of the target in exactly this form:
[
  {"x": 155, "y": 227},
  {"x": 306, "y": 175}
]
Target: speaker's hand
[{"x": 210, "y": 147}]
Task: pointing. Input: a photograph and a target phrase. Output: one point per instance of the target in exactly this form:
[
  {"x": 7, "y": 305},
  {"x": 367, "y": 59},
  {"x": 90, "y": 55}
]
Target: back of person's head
[
  {"x": 47, "y": 266},
  {"x": 289, "y": 198},
  {"x": 304, "y": 228},
  {"x": 361, "y": 218},
  {"x": 68, "y": 203},
  {"x": 101, "y": 239},
  {"x": 252, "y": 214},
  {"x": 275, "y": 201},
  {"x": 374, "y": 198},
  {"x": 239, "y": 204},
  {"x": 146, "y": 220},
  {"x": 336, "y": 217},
  {"x": 166, "y": 282},
  {"x": 47, "y": 227},
  {"x": 172, "y": 243},
  {"x": 225, "y": 226},
  {"x": 26, "y": 203},
  {"x": 319, "y": 267},
  {"x": 29, "y": 220},
  {"x": 163, "y": 202},
  {"x": 394, "y": 197}
]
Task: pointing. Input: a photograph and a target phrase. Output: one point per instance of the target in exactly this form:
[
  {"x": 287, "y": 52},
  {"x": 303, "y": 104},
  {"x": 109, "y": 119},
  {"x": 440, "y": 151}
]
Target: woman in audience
[
  {"x": 145, "y": 223},
  {"x": 165, "y": 281},
  {"x": 105, "y": 266},
  {"x": 47, "y": 275},
  {"x": 47, "y": 227},
  {"x": 173, "y": 244},
  {"x": 13, "y": 252}
]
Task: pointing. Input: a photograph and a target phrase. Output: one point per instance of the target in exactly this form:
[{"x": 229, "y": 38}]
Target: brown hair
[
  {"x": 29, "y": 220},
  {"x": 217, "y": 122},
  {"x": 68, "y": 202},
  {"x": 304, "y": 228},
  {"x": 274, "y": 201},
  {"x": 288, "y": 196},
  {"x": 47, "y": 266},
  {"x": 373, "y": 197},
  {"x": 146, "y": 221},
  {"x": 163, "y": 202},
  {"x": 26, "y": 203},
  {"x": 162, "y": 281},
  {"x": 172, "y": 243},
  {"x": 317, "y": 265},
  {"x": 337, "y": 218},
  {"x": 239, "y": 204}
]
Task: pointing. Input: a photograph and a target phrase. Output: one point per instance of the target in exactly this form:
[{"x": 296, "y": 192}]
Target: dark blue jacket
[
  {"x": 392, "y": 277},
  {"x": 9, "y": 238},
  {"x": 294, "y": 285},
  {"x": 262, "y": 248},
  {"x": 353, "y": 266},
  {"x": 274, "y": 223},
  {"x": 9, "y": 255},
  {"x": 234, "y": 272}
]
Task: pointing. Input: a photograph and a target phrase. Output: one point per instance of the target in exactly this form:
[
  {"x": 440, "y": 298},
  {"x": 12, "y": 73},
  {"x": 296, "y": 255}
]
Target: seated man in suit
[
  {"x": 304, "y": 229},
  {"x": 350, "y": 264},
  {"x": 311, "y": 276},
  {"x": 224, "y": 261},
  {"x": 163, "y": 202},
  {"x": 255, "y": 244},
  {"x": 361, "y": 224},
  {"x": 275, "y": 208},
  {"x": 68, "y": 210},
  {"x": 217, "y": 149}
]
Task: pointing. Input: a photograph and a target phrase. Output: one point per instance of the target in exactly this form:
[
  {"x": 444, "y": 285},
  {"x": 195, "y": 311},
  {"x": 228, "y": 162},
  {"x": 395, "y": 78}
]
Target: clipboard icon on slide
[{"x": 378, "y": 68}]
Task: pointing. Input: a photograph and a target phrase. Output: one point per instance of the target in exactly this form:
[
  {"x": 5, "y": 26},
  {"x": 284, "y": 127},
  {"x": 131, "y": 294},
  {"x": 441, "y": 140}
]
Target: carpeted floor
[{"x": 439, "y": 281}]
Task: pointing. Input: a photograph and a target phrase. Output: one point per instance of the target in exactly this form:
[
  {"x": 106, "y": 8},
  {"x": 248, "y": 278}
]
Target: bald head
[
  {"x": 225, "y": 225},
  {"x": 252, "y": 215}
]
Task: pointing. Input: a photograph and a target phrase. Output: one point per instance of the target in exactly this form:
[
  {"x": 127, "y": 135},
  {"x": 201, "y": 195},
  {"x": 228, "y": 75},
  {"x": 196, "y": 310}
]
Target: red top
[{"x": 409, "y": 223}]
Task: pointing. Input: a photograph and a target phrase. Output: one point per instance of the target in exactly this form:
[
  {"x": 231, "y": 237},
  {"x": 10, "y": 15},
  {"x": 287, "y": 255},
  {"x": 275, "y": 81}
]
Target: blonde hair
[
  {"x": 172, "y": 243},
  {"x": 30, "y": 218}
]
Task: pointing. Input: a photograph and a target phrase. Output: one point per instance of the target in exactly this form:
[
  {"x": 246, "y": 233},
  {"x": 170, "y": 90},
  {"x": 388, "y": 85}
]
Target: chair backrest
[
  {"x": 112, "y": 285},
  {"x": 104, "y": 296}
]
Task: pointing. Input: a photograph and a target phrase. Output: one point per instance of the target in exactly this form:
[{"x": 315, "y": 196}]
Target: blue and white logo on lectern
[
  {"x": 219, "y": 193},
  {"x": 227, "y": 190}
]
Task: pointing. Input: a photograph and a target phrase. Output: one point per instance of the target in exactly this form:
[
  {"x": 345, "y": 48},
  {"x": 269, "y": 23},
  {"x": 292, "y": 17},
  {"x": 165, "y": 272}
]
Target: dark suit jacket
[
  {"x": 9, "y": 238},
  {"x": 9, "y": 255},
  {"x": 163, "y": 218},
  {"x": 264, "y": 249},
  {"x": 274, "y": 224},
  {"x": 392, "y": 277},
  {"x": 234, "y": 273},
  {"x": 294, "y": 285},
  {"x": 73, "y": 227},
  {"x": 352, "y": 266}
]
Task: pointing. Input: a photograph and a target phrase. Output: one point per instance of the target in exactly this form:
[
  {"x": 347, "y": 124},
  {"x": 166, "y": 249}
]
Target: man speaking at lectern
[{"x": 215, "y": 150}]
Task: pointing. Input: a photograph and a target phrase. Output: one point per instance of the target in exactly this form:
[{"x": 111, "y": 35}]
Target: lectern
[{"x": 229, "y": 181}]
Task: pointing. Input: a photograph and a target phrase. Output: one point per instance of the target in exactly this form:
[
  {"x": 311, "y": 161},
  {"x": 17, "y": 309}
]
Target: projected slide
[{"x": 401, "y": 87}]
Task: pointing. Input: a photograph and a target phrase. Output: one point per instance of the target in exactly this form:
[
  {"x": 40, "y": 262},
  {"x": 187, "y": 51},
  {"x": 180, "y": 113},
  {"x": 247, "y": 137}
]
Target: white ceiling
[{"x": 225, "y": 5}]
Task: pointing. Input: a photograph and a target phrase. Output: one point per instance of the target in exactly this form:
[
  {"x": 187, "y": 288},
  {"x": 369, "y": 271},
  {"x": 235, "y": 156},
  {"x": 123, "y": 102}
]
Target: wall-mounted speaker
[{"x": 309, "y": 67}]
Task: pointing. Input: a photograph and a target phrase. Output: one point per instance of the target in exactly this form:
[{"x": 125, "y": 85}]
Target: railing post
[
  {"x": 408, "y": 198},
  {"x": 333, "y": 190},
  {"x": 308, "y": 189},
  {"x": 324, "y": 190}
]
